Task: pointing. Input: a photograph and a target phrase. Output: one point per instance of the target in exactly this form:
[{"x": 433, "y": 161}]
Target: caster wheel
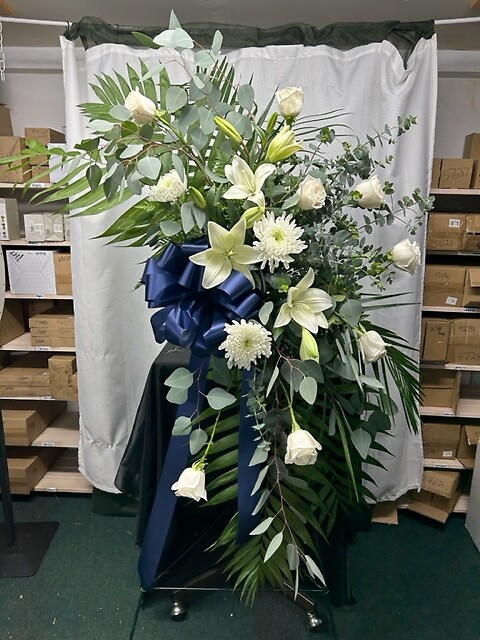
[
  {"x": 178, "y": 611},
  {"x": 316, "y": 624}
]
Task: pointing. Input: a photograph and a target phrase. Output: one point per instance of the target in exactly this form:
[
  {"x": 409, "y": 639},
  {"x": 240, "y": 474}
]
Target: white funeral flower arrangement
[{"x": 260, "y": 239}]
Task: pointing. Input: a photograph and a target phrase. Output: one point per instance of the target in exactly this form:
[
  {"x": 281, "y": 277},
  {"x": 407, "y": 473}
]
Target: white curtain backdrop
[{"x": 114, "y": 341}]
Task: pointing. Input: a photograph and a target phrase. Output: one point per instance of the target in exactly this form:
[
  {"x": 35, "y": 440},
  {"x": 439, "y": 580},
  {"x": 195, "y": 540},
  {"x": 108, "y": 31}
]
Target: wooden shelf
[
  {"x": 21, "y": 242},
  {"x": 450, "y": 366},
  {"x": 453, "y": 254},
  {"x": 29, "y": 398},
  {"x": 38, "y": 296},
  {"x": 434, "y": 463},
  {"x": 24, "y": 343},
  {"x": 21, "y": 185},
  {"x": 455, "y": 192},
  {"x": 427, "y": 309},
  {"x": 64, "y": 476},
  {"x": 466, "y": 408},
  {"x": 63, "y": 432}
]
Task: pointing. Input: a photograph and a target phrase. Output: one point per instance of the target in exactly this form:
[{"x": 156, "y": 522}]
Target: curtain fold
[{"x": 371, "y": 84}]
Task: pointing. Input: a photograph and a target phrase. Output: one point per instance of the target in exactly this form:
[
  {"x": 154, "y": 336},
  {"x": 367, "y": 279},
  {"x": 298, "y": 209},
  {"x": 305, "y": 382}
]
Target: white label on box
[
  {"x": 34, "y": 227},
  {"x": 454, "y": 223},
  {"x": 447, "y": 454},
  {"x": 451, "y": 300}
]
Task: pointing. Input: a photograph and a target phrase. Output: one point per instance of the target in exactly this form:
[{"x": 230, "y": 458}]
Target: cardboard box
[
  {"x": 9, "y": 223},
  {"x": 464, "y": 341},
  {"x": 11, "y": 323},
  {"x": 436, "y": 169},
  {"x": 467, "y": 444},
  {"x": 13, "y": 146},
  {"x": 472, "y": 146},
  {"x": 61, "y": 332},
  {"x": 45, "y": 136},
  {"x": 471, "y": 293},
  {"x": 475, "y": 181},
  {"x": 456, "y": 173},
  {"x": 5, "y": 121},
  {"x": 471, "y": 236},
  {"x": 443, "y": 285},
  {"x": 31, "y": 272},
  {"x": 34, "y": 227},
  {"x": 53, "y": 223},
  {"x": 33, "y": 307},
  {"x": 41, "y": 172},
  {"x": 52, "y": 321},
  {"x": 438, "y": 496},
  {"x": 67, "y": 227},
  {"x": 440, "y": 440},
  {"x": 445, "y": 231},
  {"x": 437, "y": 334},
  {"x": 53, "y": 341},
  {"x": 440, "y": 388},
  {"x": 63, "y": 377},
  {"x": 63, "y": 273},
  {"x": 24, "y": 420},
  {"x": 27, "y": 466}
]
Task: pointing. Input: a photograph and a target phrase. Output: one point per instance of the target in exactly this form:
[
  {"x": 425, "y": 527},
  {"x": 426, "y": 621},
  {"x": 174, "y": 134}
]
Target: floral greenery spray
[{"x": 251, "y": 197}]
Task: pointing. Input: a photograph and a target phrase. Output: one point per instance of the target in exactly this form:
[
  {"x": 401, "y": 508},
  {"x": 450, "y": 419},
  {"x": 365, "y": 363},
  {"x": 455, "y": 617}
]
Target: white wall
[{"x": 458, "y": 114}]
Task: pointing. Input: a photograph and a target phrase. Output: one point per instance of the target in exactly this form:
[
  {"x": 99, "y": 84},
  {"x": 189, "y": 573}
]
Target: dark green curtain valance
[{"x": 404, "y": 35}]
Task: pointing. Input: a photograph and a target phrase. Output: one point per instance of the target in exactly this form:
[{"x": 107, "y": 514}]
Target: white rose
[
  {"x": 372, "y": 346},
  {"x": 406, "y": 255},
  {"x": 141, "y": 108},
  {"x": 301, "y": 448},
  {"x": 290, "y": 101},
  {"x": 311, "y": 193},
  {"x": 191, "y": 484},
  {"x": 372, "y": 193}
]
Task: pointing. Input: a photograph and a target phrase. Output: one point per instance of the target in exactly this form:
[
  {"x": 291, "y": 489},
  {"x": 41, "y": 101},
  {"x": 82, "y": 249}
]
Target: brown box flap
[
  {"x": 473, "y": 434},
  {"x": 442, "y": 483}
]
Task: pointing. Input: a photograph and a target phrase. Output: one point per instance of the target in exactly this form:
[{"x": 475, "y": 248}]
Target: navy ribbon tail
[
  {"x": 176, "y": 459},
  {"x": 247, "y": 475}
]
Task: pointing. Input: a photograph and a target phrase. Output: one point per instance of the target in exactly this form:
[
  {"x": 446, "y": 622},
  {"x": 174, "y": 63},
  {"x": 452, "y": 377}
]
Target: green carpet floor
[{"x": 415, "y": 581}]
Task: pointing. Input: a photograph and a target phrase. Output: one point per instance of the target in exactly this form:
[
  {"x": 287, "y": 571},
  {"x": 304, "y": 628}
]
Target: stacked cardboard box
[
  {"x": 452, "y": 173},
  {"x": 464, "y": 341},
  {"x": 440, "y": 440},
  {"x": 44, "y": 227},
  {"x": 435, "y": 337},
  {"x": 438, "y": 496},
  {"x": 28, "y": 465},
  {"x": 13, "y": 146},
  {"x": 24, "y": 420},
  {"x": 25, "y": 377},
  {"x": 63, "y": 377},
  {"x": 31, "y": 272},
  {"x": 63, "y": 273},
  {"x": 47, "y": 137},
  {"x": 451, "y": 286},
  {"x": 453, "y": 232},
  {"x": 440, "y": 388},
  {"x": 52, "y": 329},
  {"x": 472, "y": 150}
]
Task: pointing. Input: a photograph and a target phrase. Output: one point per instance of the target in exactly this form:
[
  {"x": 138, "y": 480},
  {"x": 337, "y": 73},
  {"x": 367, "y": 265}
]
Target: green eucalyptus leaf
[
  {"x": 293, "y": 557},
  {"x": 218, "y": 398},
  {"x": 261, "y": 502},
  {"x": 131, "y": 150},
  {"x": 260, "y": 478},
  {"x": 181, "y": 378},
  {"x": 100, "y": 125},
  {"x": 200, "y": 217},
  {"x": 150, "y": 167},
  {"x": 176, "y": 98},
  {"x": 174, "y": 39},
  {"x": 207, "y": 123},
  {"x": 177, "y": 396},
  {"x": 351, "y": 311},
  {"x": 120, "y": 112},
  {"x": 182, "y": 426},
  {"x": 198, "y": 439},
  {"x": 178, "y": 165},
  {"x": 217, "y": 43},
  {"x": 272, "y": 380},
  {"x": 246, "y": 96},
  {"x": 188, "y": 219},
  {"x": 313, "y": 569},
  {"x": 93, "y": 175},
  {"x": 371, "y": 382},
  {"x": 262, "y": 527},
  {"x": 170, "y": 228},
  {"x": 308, "y": 389},
  {"x": 273, "y": 546},
  {"x": 204, "y": 59},
  {"x": 260, "y": 455},
  {"x": 361, "y": 440},
  {"x": 265, "y": 311}
]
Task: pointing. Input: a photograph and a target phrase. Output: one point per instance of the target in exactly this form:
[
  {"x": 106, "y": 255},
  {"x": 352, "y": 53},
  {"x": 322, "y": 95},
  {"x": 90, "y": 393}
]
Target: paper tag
[
  {"x": 48, "y": 444},
  {"x": 52, "y": 489},
  {"x": 39, "y": 295},
  {"x": 451, "y": 301},
  {"x": 41, "y": 348},
  {"x": 440, "y": 465},
  {"x": 454, "y": 223}
]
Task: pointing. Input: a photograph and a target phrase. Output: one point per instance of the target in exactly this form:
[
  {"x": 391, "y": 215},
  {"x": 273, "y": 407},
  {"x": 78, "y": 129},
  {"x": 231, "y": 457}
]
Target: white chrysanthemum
[
  {"x": 169, "y": 188},
  {"x": 246, "y": 341},
  {"x": 278, "y": 238}
]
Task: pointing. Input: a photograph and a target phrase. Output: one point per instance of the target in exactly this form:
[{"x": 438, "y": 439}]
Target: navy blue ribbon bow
[{"x": 192, "y": 316}]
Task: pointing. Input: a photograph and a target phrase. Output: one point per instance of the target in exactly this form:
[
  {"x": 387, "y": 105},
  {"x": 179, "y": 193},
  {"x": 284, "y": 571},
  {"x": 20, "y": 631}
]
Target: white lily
[
  {"x": 227, "y": 251},
  {"x": 305, "y": 305},
  {"x": 246, "y": 184}
]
